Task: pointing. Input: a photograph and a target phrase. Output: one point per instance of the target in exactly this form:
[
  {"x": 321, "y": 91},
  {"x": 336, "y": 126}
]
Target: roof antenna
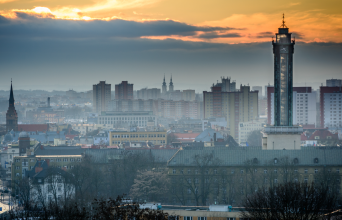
[{"x": 283, "y": 23}]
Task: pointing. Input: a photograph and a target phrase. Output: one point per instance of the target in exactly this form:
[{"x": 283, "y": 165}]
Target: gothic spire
[{"x": 11, "y": 99}]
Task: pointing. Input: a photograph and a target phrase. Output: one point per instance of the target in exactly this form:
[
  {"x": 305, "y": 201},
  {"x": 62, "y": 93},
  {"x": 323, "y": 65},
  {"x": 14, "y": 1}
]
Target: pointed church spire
[{"x": 11, "y": 99}]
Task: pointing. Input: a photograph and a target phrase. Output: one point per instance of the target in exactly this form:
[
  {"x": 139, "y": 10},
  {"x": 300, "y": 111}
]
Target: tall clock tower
[
  {"x": 11, "y": 115},
  {"x": 283, "y": 49}
]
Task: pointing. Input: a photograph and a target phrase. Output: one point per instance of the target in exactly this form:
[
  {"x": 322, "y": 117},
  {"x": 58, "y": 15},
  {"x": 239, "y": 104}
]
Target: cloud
[
  {"x": 32, "y": 25},
  {"x": 266, "y": 34},
  {"x": 213, "y": 35}
]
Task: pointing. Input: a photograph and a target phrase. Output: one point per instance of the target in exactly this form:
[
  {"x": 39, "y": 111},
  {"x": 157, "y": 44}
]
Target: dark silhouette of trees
[
  {"x": 291, "y": 200},
  {"x": 102, "y": 209}
]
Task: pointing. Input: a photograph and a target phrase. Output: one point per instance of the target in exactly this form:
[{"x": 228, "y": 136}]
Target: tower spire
[
  {"x": 11, "y": 99},
  {"x": 283, "y": 25}
]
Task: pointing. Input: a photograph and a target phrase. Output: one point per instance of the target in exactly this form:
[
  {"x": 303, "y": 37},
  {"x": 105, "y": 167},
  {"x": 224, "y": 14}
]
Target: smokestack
[
  {"x": 48, "y": 102},
  {"x": 214, "y": 137}
]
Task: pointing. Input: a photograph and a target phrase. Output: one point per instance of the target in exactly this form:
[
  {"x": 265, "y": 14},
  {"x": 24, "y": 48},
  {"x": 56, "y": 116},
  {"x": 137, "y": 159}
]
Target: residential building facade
[
  {"x": 334, "y": 82},
  {"x": 124, "y": 90},
  {"x": 245, "y": 128},
  {"x": 331, "y": 107},
  {"x": 101, "y": 96},
  {"x": 236, "y": 107},
  {"x": 304, "y": 106}
]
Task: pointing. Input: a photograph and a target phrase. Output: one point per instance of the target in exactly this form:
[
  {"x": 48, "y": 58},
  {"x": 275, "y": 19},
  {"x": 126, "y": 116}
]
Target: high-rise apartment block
[
  {"x": 11, "y": 115},
  {"x": 146, "y": 93},
  {"x": 259, "y": 89},
  {"x": 101, "y": 96},
  {"x": 189, "y": 95},
  {"x": 304, "y": 106},
  {"x": 331, "y": 107},
  {"x": 334, "y": 82},
  {"x": 238, "y": 106},
  {"x": 226, "y": 85},
  {"x": 160, "y": 107},
  {"x": 124, "y": 90}
]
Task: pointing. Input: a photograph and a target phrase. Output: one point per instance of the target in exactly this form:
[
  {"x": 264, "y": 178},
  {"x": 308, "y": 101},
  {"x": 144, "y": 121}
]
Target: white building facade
[
  {"x": 304, "y": 108},
  {"x": 332, "y": 110},
  {"x": 245, "y": 128}
]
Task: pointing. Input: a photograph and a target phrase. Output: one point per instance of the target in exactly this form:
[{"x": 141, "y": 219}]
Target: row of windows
[{"x": 137, "y": 135}]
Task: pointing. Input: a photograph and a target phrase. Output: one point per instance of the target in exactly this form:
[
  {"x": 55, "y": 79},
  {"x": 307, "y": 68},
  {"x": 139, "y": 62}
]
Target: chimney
[
  {"x": 214, "y": 137},
  {"x": 48, "y": 102}
]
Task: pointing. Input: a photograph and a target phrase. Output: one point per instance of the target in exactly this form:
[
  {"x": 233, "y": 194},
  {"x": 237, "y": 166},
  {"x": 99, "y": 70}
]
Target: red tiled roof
[
  {"x": 70, "y": 136},
  {"x": 303, "y": 137},
  {"x": 186, "y": 137},
  {"x": 323, "y": 135},
  {"x": 33, "y": 127}
]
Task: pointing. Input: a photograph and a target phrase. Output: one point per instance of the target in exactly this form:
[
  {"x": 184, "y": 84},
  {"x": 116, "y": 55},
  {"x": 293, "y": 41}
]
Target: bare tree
[
  {"x": 290, "y": 201},
  {"x": 151, "y": 186}
]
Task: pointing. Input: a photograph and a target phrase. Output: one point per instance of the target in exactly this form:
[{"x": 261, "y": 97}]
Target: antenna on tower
[{"x": 283, "y": 25}]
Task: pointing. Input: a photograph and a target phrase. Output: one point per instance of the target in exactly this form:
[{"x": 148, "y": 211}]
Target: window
[
  {"x": 233, "y": 171},
  {"x": 202, "y": 218},
  {"x": 174, "y": 171},
  {"x": 187, "y": 217},
  {"x": 189, "y": 180},
  {"x": 241, "y": 171},
  {"x": 189, "y": 191},
  {"x": 196, "y": 180},
  {"x": 275, "y": 171},
  {"x": 295, "y": 171},
  {"x": 316, "y": 170},
  {"x": 265, "y": 171},
  {"x": 196, "y": 171},
  {"x": 181, "y": 171},
  {"x": 275, "y": 160},
  {"x": 215, "y": 171},
  {"x": 17, "y": 174},
  {"x": 306, "y": 171},
  {"x": 189, "y": 171},
  {"x": 275, "y": 180},
  {"x": 305, "y": 180},
  {"x": 65, "y": 159},
  {"x": 337, "y": 170}
]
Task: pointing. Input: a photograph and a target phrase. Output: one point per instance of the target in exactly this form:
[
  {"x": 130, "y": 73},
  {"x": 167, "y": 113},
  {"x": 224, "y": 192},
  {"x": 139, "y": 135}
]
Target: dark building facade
[
  {"x": 124, "y": 90},
  {"x": 11, "y": 115},
  {"x": 283, "y": 49}
]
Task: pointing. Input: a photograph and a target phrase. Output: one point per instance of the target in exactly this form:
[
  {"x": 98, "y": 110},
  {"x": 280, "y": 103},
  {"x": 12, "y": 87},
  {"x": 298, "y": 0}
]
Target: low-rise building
[
  {"x": 121, "y": 119},
  {"x": 155, "y": 137}
]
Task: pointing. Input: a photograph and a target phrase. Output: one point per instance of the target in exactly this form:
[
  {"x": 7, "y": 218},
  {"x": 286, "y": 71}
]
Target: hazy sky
[{"x": 57, "y": 45}]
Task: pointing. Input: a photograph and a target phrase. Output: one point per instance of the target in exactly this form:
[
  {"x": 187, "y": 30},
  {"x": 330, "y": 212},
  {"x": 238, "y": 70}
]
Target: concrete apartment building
[
  {"x": 331, "y": 107},
  {"x": 155, "y": 137},
  {"x": 147, "y": 94},
  {"x": 238, "y": 106},
  {"x": 259, "y": 89},
  {"x": 101, "y": 96},
  {"x": 189, "y": 95},
  {"x": 303, "y": 105},
  {"x": 334, "y": 82},
  {"x": 124, "y": 90}
]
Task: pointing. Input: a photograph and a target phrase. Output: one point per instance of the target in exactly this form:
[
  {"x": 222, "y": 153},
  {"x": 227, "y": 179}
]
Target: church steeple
[
  {"x": 11, "y": 99},
  {"x": 164, "y": 89},
  {"x": 11, "y": 115},
  {"x": 171, "y": 85}
]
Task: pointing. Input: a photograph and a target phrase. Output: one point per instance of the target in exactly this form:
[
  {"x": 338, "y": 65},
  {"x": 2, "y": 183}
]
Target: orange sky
[{"x": 311, "y": 20}]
